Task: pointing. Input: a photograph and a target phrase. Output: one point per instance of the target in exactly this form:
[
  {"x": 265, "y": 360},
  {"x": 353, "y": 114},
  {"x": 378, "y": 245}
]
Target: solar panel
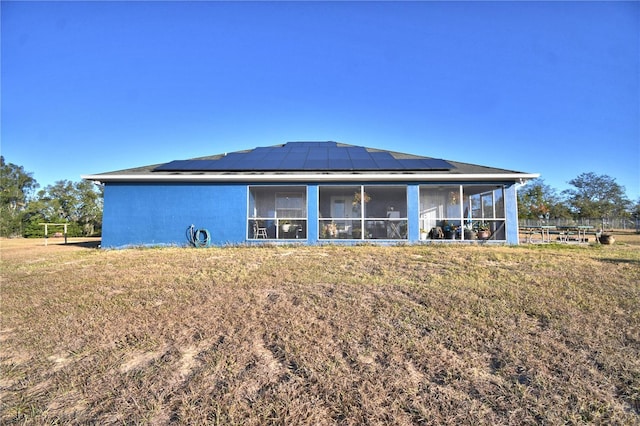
[
  {"x": 307, "y": 156},
  {"x": 318, "y": 152},
  {"x": 248, "y": 165},
  {"x": 426, "y": 164},
  {"x": 341, "y": 164},
  {"x": 168, "y": 166},
  {"x": 316, "y": 164},
  {"x": 297, "y": 147},
  {"x": 358, "y": 152},
  {"x": 296, "y": 156},
  {"x": 268, "y": 164},
  {"x": 179, "y": 165},
  {"x": 387, "y": 163},
  {"x": 338, "y": 154},
  {"x": 364, "y": 164},
  {"x": 439, "y": 164}
]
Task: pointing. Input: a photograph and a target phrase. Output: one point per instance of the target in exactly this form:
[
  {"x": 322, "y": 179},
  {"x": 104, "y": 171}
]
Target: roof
[
  {"x": 308, "y": 156},
  {"x": 313, "y": 161}
]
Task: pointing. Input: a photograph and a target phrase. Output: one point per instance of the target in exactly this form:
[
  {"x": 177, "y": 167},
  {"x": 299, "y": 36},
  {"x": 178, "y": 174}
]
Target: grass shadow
[
  {"x": 618, "y": 261},
  {"x": 84, "y": 244}
]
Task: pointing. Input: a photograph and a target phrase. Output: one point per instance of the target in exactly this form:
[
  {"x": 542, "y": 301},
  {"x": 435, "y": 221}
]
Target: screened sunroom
[
  {"x": 377, "y": 212},
  {"x": 277, "y": 212},
  {"x": 359, "y": 212},
  {"x": 462, "y": 212}
]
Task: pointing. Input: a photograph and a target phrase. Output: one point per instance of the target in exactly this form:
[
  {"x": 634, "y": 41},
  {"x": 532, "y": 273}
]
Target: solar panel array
[{"x": 307, "y": 156}]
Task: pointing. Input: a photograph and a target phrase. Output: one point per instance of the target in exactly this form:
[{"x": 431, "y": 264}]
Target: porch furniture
[{"x": 258, "y": 231}]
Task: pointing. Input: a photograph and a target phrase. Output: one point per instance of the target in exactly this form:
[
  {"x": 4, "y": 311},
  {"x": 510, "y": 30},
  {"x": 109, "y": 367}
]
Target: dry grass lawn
[{"x": 438, "y": 334}]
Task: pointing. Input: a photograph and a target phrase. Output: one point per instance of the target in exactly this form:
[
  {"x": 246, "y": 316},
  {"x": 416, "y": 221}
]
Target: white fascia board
[{"x": 312, "y": 177}]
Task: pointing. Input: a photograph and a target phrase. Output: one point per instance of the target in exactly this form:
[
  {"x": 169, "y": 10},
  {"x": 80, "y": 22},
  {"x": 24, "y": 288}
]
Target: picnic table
[
  {"x": 565, "y": 233},
  {"x": 580, "y": 231},
  {"x": 543, "y": 230}
]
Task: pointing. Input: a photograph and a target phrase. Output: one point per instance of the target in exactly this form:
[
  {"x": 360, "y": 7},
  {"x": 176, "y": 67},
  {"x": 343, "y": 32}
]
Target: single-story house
[{"x": 312, "y": 193}]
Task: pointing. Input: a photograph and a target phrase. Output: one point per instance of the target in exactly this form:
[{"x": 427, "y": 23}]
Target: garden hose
[{"x": 198, "y": 237}]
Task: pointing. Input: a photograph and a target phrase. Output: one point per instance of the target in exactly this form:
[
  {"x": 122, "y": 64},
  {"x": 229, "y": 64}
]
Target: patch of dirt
[
  {"x": 5, "y": 334},
  {"x": 60, "y": 361},
  {"x": 264, "y": 369},
  {"x": 268, "y": 363},
  {"x": 139, "y": 359},
  {"x": 415, "y": 376},
  {"x": 188, "y": 360}
]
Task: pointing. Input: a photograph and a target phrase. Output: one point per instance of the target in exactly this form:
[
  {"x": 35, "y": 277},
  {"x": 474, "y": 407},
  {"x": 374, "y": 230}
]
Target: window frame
[
  {"x": 358, "y": 223},
  {"x": 276, "y": 227},
  {"x": 479, "y": 206}
]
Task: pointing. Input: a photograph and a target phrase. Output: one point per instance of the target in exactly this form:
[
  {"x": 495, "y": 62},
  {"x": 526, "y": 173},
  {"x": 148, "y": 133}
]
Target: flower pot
[
  {"x": 484, "y": 235},
  {"x": 607, "y": 239},
  {"x": 469, "y": 235}
]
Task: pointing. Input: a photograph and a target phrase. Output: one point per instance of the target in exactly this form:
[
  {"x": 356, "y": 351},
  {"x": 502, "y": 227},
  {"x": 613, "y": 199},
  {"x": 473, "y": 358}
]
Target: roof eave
[{"x": 313, "y": 177}]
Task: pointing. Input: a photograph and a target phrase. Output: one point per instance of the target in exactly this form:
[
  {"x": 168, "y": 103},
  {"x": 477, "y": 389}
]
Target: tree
[
  {"x": 16, "y": 187},
  {"x": 597, "y": 197},
  {"x": 537, "y": 200},
  {"x": 635, "y": 214},
  {"x": 90, "y": 206},
  {"x": 77, "y": 203}
]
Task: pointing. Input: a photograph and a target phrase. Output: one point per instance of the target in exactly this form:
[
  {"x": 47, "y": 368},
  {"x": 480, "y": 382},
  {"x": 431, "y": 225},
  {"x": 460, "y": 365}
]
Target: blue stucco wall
[
  {"x": 138, "y": 214},
  {"x": 159, "y": 214}
]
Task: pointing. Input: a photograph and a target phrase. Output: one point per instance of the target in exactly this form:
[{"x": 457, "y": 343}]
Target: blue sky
[{"x": 539, "y": 87}]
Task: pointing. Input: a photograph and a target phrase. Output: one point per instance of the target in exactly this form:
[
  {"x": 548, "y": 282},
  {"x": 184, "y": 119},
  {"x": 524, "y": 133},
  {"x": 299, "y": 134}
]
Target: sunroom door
[{"x": 342, "y": 208}]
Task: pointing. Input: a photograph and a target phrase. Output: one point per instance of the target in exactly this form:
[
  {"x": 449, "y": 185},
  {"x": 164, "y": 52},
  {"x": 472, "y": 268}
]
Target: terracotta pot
[
  {"x": 483, "y": 235},
  {"x": 607, "y": 239}
]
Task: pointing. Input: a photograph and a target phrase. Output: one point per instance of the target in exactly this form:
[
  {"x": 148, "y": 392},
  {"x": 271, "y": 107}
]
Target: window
[
  {"x": 363, "y": 212},
  {"x": 277, "y": 212},
  {"x": 290, "y": 204},
  {"x": 465, "y": 212},
  {"x": 440, "y": 211}
]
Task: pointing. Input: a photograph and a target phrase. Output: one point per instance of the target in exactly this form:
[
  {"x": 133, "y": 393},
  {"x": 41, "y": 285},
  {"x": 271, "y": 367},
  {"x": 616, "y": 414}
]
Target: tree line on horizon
[
  {"x": 23, "y": 207},
  {"x": 592, "y": 196},
  {"x": 79, "y": 204}
]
